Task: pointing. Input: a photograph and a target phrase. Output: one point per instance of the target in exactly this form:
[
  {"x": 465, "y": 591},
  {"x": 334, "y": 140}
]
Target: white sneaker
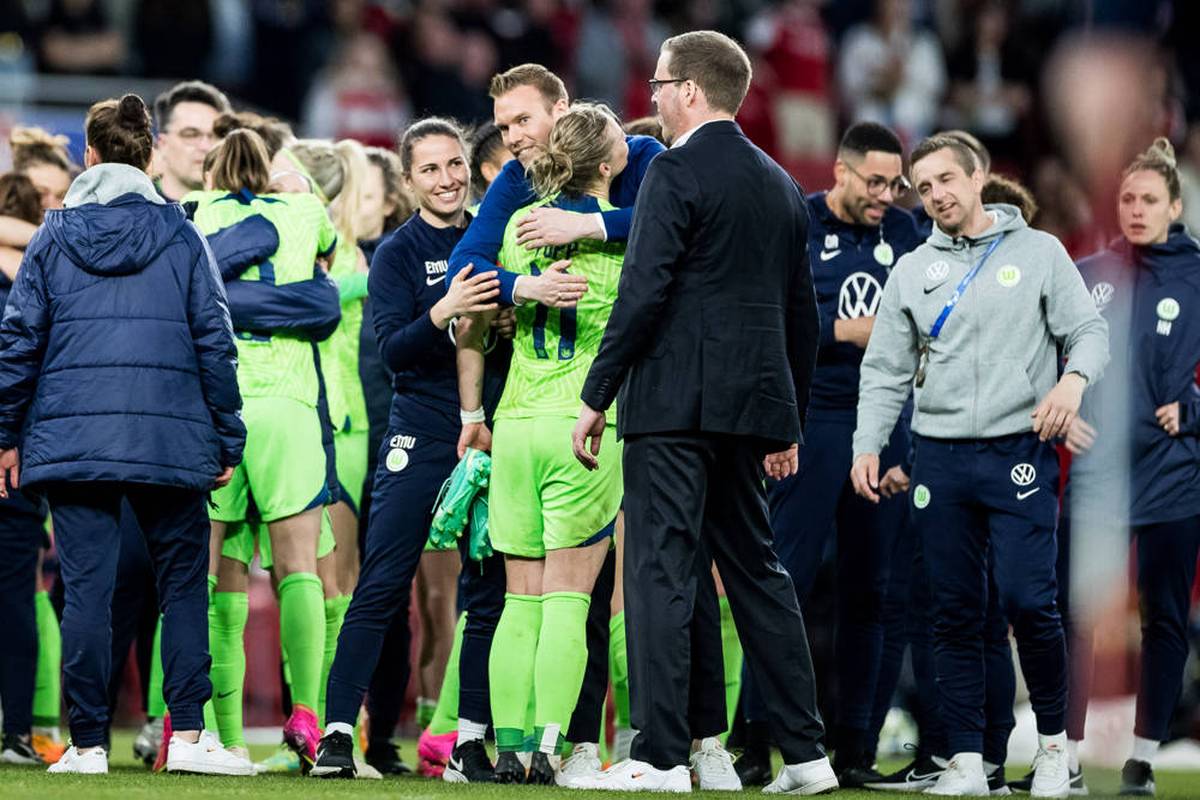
[
  {"x": 93, "y": 762},
  {"x": 714, "y": 767},
  {"x": 363, "y": 770},
  {"x": 582, "y": 764},
  {"x": 964, "y": 777},
  {"x": 622, "y": 742},
  {"x": 638, "y": 776},
  {"x": 810, "y": 777},
  {"x": 1051, "y": 768},
  {"x": 205, "y": 757}
]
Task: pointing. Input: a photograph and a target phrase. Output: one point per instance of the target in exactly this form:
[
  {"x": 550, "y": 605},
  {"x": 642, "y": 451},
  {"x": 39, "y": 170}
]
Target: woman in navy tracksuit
[
  {"x": 1148, "y": 286},
  {"x": 413, "y": 310},
  {"x": 118, "y": 381}
]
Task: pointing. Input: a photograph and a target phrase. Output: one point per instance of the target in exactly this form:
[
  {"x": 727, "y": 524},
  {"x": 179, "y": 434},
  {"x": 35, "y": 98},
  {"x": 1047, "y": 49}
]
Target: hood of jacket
[
  {"x": 114, "y": 222},
  {"x": 1005, "y": 219}
]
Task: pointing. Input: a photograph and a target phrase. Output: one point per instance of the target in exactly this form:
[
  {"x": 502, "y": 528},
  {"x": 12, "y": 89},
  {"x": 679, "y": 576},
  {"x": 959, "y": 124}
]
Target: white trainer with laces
[
  {"x": 1051, "y": 768},
  {"x": 964, "y": 777},
  {"x": 582, "y": 764},
  {"x": 94, "y": 761},
  {"x": 809, "y": 777},
  {"x": 638, "y": 776},
  {"x": 713, "y": 766},
  {"x": 205, "y": 757}
]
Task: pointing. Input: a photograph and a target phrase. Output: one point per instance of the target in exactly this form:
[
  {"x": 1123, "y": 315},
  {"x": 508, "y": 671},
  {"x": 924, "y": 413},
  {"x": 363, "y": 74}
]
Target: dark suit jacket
[{"x": 715, "y": 326}]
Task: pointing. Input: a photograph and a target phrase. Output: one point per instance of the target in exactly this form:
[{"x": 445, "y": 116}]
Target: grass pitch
[{"x": 128, "y": 780}]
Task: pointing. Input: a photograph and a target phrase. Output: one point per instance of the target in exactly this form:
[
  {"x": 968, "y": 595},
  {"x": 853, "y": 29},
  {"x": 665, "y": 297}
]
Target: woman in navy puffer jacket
[{"x": 118, "y": 381}]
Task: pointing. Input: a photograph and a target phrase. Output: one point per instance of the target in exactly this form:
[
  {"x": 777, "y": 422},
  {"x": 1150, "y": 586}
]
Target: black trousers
[
  {"x": 687, "y": 496},
  {"x": 21, "y": 537}
]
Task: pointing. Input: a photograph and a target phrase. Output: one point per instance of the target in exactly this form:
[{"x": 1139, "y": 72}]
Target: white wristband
[{"x": 472, "y": 417}]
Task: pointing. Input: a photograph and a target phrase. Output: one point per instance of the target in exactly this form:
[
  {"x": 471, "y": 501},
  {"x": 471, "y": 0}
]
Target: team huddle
[{"x": 389, "y": 376}]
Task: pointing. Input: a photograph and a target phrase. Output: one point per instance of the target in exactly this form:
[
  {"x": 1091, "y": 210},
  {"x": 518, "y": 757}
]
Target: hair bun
[
  {"x": 131, "y": 111},
  {"x": 1163, "y": 149}
]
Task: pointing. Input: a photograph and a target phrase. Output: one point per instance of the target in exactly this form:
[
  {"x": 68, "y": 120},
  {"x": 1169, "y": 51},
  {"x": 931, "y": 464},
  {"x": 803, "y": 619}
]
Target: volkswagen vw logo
[
  {"x": 859, "y": 296},
  {"x": 1023, "y": 474},
  {"x": 1102, "y": 294}
]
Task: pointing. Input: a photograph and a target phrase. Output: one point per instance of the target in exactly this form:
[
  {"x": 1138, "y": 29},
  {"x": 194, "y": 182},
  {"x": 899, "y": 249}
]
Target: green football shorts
[
  {"x": 283, "y": 466},
  {"x": 541, "y": 498},
  {"x": 350, "y": 451},
  {"x": 241, "y": 537}
]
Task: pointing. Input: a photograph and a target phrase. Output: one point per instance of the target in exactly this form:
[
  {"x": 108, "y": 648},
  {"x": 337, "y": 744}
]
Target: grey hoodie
[
  {"x": 996, "y": 356},
  {"x": 104, "y": 183}
]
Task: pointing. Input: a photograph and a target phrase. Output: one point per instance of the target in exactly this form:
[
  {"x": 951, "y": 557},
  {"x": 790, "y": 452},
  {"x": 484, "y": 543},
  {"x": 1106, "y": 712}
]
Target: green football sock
[
  {"x": 510, "y": 667},
  {"x": 156, "y": 704},
  {"x": 46, "y": 694},
  {"x": 445, "y": 715},
  {"x": 618, "y": 668},
  {"x": 226, "y": 629},
  {"x": 558, "y": 668},
  {"x": 302, "y": 634},
  {"x": 335, "y": 612},
  {"x": 731, "y": 651}
]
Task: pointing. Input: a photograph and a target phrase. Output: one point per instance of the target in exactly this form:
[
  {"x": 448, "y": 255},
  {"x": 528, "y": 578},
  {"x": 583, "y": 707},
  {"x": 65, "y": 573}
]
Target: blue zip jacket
[
  {"x": 511, "y": 192},
  {"x": 1151, "y": 297},
  {"x": 117, "y": 359},
  {"x": 850, "y": 265}
]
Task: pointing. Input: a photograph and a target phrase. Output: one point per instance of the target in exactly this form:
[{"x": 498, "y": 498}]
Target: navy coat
[{"x": 117, "y": 358}]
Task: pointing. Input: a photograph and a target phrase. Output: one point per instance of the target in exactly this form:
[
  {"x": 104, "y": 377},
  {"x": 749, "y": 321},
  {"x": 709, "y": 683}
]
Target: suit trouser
[
  {"x": 20, "y": 540},
  {"x": 994, "y": 500},
  {"x": 87, "y": 528},
  {"x": 683, "y": 491},
  {"x": 806, "y": 510},
  {"x": 1166, "y": 554}
]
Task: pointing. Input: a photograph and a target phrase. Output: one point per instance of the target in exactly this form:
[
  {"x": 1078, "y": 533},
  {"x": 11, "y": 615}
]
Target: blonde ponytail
[
  {"x": 1159, "y": 157},
  {"x": 579, "y": 143}
]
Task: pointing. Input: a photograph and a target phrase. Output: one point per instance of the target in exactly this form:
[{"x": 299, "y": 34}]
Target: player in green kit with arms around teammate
[{"x": 551, "y": 518}]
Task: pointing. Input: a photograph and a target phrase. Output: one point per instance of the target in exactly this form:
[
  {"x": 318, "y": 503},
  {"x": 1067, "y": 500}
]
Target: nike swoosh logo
[
  {"x": 927, "y": 291},
  {"x": 913, "y": 776},
  {"x": 223, "y": 695},
  {"x": 455, "y": 765},
  {"x": 826, "y": 256},
  {"x": 435, "y": 280},
  {"x": 1023, "y": 495}
]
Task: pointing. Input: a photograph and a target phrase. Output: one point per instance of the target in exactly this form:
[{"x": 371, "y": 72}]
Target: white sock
[
  {"x": 989, "y": 768},
  {"x": 1073, "y": 755},
  {"x": 1057, "y": 740},
  {"x": 969, "y": 762},
  {"x": 340, "y": 727},
  {"x": 1144, "y": 749},
  {"x": 469, "y": 731}
]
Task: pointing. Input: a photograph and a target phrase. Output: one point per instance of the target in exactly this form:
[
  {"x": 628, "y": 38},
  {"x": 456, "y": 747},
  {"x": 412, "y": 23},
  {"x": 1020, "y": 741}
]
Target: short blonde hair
[{"x": 550, "y": 85}]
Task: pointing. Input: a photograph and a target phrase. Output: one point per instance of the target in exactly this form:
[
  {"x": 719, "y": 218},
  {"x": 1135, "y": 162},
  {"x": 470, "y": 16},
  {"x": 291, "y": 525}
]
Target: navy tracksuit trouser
[
  {"x": 806, "y": 510},
  {"x": 976, "y": 501},
  {"x": 1166, "y": 554},
  {"x": 87, "y": 527},
  {"x": 21, "y": 537}
]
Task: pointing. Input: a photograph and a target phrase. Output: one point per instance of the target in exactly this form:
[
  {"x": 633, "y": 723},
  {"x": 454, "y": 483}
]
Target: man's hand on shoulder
[
  {"x": 547, "y": 227},
  {"x": 554, "y": 288}
]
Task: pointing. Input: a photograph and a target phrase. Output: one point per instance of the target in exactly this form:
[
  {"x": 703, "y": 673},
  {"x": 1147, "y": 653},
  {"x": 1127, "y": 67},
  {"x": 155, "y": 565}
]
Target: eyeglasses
[
  {"x": 658, "y": 83},
  {"x": 876, "y": 184},
  {"x": 193, "y": 136}
]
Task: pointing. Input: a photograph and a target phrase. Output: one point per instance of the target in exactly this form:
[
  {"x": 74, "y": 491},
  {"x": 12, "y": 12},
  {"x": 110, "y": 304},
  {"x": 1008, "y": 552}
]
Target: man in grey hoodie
[{"x": 972, "y": 321}]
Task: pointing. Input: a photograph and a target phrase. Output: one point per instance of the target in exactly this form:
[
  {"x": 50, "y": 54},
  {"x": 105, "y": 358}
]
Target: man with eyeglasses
[
  {"x": 855, "y": 237},
  {"x": 184, "y": 117}
]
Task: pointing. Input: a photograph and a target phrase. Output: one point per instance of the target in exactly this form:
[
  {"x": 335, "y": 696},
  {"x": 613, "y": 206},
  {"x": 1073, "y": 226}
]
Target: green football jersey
[
  {"x": 273, "y": 364},
  {"x": 339, "y": 353},
  {"x": 554, "y": 348}
]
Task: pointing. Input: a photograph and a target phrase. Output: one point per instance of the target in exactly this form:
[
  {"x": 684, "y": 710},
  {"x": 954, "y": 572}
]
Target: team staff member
[
  {"x": 413, "y": 311},
  {"x": 1147, "y": 284},
  {"x": 855, "y": 237},
  {"x": 120, "y": 278},
  {"x": 972, "y": 318},
  {"x": 183, "y": 117}
]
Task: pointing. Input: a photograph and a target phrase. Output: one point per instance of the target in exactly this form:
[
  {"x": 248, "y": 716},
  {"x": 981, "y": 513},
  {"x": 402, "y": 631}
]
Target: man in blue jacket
[{"x": 118, "y": 382}]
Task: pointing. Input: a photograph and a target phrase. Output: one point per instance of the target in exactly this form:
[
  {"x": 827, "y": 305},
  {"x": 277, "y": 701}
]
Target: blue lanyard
[{"x": 961, "y": 288}]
